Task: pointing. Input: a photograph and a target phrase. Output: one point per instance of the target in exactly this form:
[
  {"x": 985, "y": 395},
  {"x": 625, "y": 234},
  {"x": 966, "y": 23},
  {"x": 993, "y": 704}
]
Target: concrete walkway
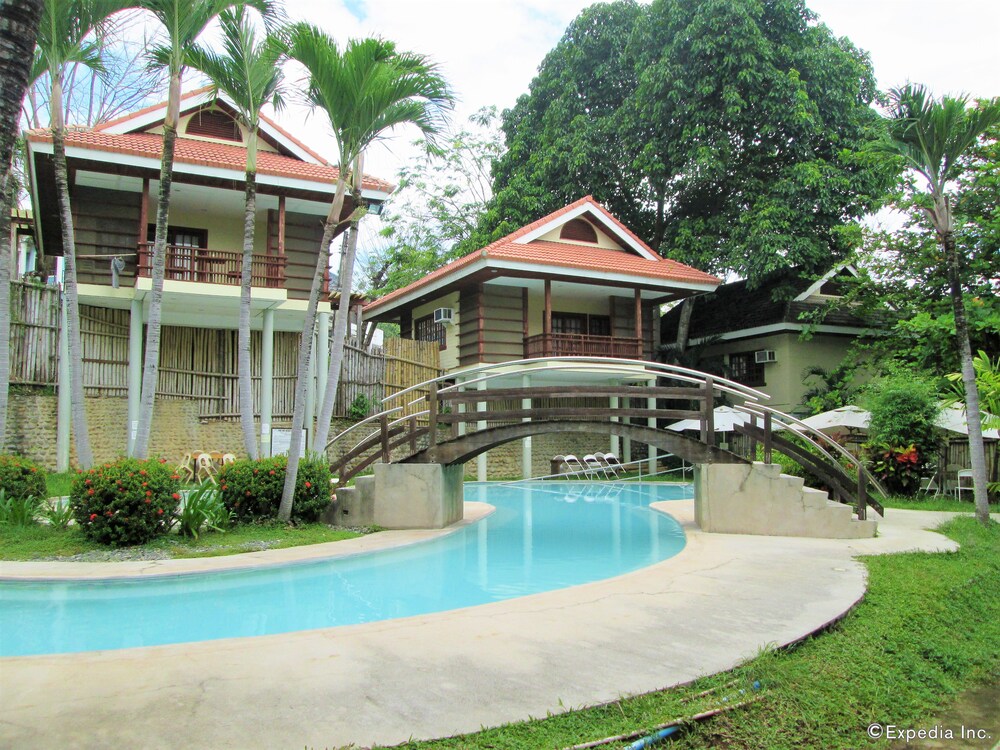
[{"x": 705, "y": 610}]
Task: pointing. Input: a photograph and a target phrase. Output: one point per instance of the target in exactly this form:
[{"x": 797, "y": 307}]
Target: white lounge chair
[
  {"x": 609, "y": 467},
  {"x": 594, "y": 468},
  {"x": 574, "y": 465}
]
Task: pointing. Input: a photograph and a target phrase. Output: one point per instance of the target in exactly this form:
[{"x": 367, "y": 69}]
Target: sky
[{"x": 491, "y": 49}]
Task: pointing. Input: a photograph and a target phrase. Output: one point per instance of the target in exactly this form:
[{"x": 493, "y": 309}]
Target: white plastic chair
[
  {"x": 609, "y": 467},
  {"x": 205, "y": 468},
  {"x": 616, "y": 466},
  {"x": 964, "y": 483},
  {"x": 929, "y": 485},
  {"x": 594, "y": 468},
  {"x": 574, "y": 466}
]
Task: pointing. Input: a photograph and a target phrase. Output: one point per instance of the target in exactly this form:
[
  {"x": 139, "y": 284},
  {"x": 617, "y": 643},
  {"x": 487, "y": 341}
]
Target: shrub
[
  {"x": 21, "y": 478},
  {"x": 202, "y": 508},
  {"x": 56, "y": 512},
  {"x": 361, "y": 407},
  {"x": 126, "y": 502},
  {"x": 18, "y": 511},
  {"x": 251, "y": 490}
]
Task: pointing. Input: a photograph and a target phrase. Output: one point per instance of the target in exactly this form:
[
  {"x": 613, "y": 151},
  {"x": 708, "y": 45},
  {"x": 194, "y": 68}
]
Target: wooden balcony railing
[
  {"x": 581, "y": 345},
  {"x": 208, "y": 266}
]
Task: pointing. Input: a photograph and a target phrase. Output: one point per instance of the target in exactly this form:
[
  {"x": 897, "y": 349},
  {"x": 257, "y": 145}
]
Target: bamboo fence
[{"x": 198, "y": 364}]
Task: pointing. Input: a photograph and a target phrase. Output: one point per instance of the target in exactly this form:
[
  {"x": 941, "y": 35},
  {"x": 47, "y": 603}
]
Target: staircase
[{"x": 758, "y": 499}]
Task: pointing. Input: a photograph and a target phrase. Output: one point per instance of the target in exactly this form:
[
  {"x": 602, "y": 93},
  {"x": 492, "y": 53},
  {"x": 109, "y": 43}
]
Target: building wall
[
  {"x": 225, "y": 233},
  {"x": 449, "y": 355}
]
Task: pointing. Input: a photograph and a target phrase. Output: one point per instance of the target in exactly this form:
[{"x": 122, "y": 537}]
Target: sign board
[{"x": 281, "y": 441}]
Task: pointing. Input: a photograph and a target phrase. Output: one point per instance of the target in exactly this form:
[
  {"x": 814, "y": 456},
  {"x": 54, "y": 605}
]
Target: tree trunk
[
  {"x": 340, "y": 328},
  {"x": 305, "y": 349},
  {"x": 246, "y": 274},
  {"x": 684, "y": 326},
  {"x": 84, "y": 455},
  {"x": 18, "y": 28},
  {"x": 151, "y": 363},
  {"x": 973, "y": 416}
]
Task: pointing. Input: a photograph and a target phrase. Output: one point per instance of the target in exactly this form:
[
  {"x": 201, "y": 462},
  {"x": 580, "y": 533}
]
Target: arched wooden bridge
[{"x": 451, "y": 421}]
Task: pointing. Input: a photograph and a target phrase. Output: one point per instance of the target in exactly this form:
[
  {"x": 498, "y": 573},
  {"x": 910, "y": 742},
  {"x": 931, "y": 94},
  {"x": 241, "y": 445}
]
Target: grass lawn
[
  {"x": 41, "y": 541},
  {"x": 941, "y": 502},
  {"x": 928, "y": 628},
  {"x": 59, "y": 484}
]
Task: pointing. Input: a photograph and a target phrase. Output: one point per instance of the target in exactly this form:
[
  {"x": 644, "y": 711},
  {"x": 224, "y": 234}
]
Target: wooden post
[
  {"x": 383, "y": 422},
  {"x": 862, "y": 495},
  {"x": 413, "y": 434},
  {"x": 142, "y": 248},
  {"x": 547, "y": 319},
  {"x": 708, "y": 415},
  {"x": 767, "y": 437},
  {"x": 281, "y": 240},
  {"x": 752, "y": 441},
  {"x": 432, "y": 415},
  {"x": 638, "y": 318}
]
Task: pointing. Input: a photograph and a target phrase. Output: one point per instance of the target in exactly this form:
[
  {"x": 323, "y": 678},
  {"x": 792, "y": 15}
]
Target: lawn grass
[
  {"x": 928, "y": 627},
  {"x": 41, "y": 541},
  {"x": 940, "y": 502},
  {"x": 59, "y": 484}
]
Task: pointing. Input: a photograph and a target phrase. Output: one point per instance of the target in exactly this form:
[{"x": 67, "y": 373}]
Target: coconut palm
[
  {"x": 365, "y": 89},
  {"x": 931, "y": 137},
  {"x": 18, "y": 29},
  {"x": 249, "y": 74},
  {"x": 68, "y": 35},
  {"x": 182, "y": 21}
]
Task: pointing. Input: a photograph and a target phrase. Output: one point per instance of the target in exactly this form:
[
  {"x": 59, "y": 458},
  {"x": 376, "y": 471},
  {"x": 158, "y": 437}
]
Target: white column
[
  {"x": 651, "y": 422},
  {"x": 322, "y": 356},
  {"x": 481, "y": 474},
  {"x": 63, "y": 403},
  {"x": 266, "y": 382},
  {"x": 526, "y": 462},
  {"x": 311, "y": 395},
  {"x": 614, "y": 438},
  {"x": 134, "y": 371}
]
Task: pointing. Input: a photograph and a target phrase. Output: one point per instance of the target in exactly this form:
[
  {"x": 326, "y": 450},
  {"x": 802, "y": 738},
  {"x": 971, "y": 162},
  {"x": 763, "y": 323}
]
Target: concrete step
[{"x": 815, "y": 498}]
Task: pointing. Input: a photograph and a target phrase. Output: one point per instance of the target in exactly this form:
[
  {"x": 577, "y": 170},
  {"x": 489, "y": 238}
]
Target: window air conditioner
[
  {"x": 444, "y": 315},
  {"x": 765, "y": 355}
]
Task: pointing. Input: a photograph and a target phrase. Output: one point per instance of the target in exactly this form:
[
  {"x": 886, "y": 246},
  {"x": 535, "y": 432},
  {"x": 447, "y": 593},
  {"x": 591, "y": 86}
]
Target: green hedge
[
  {"x": 126, "y": 502},
  {"x": 251, "y": 490},
  {"x": 20, "y": 478}
]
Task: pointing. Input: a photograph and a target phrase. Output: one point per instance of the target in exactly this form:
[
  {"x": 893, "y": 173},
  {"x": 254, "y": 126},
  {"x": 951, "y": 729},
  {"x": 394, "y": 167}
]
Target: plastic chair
[
  {"x": 574, "y": 466},
  {"x": 594, "y": 468},
  {"x": 184, "y": 467},
  {"x": 964, "y": 483},
  {"x": 205, "y": 468},
  {"x": 609, "y": 468},
  {"x": 228, "y": 458},
  {"x": 616, "y": 466},
  {"x": 929, "y": 485}
]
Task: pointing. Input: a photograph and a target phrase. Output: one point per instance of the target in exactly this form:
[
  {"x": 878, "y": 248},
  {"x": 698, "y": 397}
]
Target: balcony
[
  {"x": 581, "y": 345},
  {"x": 207, "y": 266}
]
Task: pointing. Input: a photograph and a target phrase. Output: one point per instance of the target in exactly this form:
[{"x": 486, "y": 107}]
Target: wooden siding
[
  {"x": 303, "y": 234},
  {"x": 106, "y": 224},
  {"x": 469, "y": 307}
]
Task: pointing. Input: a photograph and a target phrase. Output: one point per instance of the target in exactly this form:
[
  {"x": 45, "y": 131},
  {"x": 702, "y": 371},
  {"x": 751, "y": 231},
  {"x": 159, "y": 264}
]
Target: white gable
[{"x": 615, "y": 233}]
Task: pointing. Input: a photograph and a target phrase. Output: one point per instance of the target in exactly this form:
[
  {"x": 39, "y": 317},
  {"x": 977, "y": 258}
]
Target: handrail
[{"x": 356, "y": 425}]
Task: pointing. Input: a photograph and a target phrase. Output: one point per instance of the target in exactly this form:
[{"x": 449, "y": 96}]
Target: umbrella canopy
[
  {"x": 846, "y": 417},
  {"x": 953, "y": 419},
  {"x": 726, "y": 419}
]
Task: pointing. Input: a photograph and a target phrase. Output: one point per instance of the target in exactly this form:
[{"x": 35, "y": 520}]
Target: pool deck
[{"x": 707, "y": 609}]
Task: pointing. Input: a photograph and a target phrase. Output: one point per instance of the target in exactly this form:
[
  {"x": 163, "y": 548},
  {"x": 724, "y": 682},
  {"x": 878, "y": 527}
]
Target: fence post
[
  {"x": 708, "y": 413},
  {"x": 412, "y": 421},
  {"x": 751, "y": 440},
  {"x": 767, "y": 437},
  {"x": 862, "y": 494},
  {"x": 383, "y": 422},
  {"x": 432, "y": 415}
]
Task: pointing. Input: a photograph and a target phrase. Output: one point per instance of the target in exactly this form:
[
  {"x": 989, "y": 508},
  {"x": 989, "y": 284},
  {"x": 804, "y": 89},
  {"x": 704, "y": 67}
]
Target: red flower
[
  {"x": 87, "y": 482},
  {"x": 159, "y": 511},
  {"x": 145, "y": 484},
  {"x": 90, "y": 492},
  {"x": 93, "y": 516},
  {"x": 142, "y": 473},
  {"x": 163, "y": 460},
  {"x": 108, "y": 514},
  {"x": 308, "y": 485},
  {"x": 225, "y": 486},
  {"x": 148, "y": 501},
  {"x": 175, "y": 476},
  {"x": 248, "y": 493},
  {"x": 149, "y": 493},
  {"x": 255, "y": 471},
  {"x": 176, "y": 496},
  {"x": 271, "y": 472}
]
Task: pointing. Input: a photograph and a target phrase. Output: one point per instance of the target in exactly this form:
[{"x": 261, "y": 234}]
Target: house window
[
  {"x": 743, "y": 368},
  {"x": 182, "y": 258},
  {"x": 578, "y": 230},
  {"x": 579, "y": 323},
  {"x": 425, "y": 329}
]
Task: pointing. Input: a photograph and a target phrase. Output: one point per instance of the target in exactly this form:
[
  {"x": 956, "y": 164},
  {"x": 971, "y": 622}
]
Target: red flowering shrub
[
  {"x": 126, "y": 502},
  {"x": 251, "y": 490},
  {"x": 20, "y": 478}
]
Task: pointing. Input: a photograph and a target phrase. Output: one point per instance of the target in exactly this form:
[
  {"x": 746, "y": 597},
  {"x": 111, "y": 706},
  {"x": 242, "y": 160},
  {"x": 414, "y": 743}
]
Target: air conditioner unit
[
  {"x": 444, "y": 315},
  {"x": 765, "y": 355}
]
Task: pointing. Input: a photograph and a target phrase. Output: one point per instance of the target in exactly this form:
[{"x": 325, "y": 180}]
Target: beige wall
[
  {"x": 603, "y": 240},
  {"x": 784, "y": 378},
  {"x": 224, "y": 232},
  {"x": 449, "y": 355},
  {"x": 536, "y": 307}
]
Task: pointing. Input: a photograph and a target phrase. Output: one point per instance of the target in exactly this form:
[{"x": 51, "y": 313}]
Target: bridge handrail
[
  {"x": 656, "y": 368},
  {"x": 800, "y": 428},
  {"x": 356, "y": 425}
]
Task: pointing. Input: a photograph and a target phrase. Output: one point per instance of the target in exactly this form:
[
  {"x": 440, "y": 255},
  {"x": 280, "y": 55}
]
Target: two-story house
[
  {"x": 575, "y": 282},
  {"x": 114, "y": 182}
]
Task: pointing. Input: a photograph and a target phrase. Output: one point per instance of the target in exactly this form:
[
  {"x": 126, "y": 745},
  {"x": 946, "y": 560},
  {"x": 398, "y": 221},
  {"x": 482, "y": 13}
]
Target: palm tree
[
  {"x": 19, "y": 21},
  {"x": 365, "y": 90},
  {"x": 67, "y": 35},
  {"x": 183, "y": 21},
  {"x": 931, "y": 137},
  {"x": 249, "y": 73}
]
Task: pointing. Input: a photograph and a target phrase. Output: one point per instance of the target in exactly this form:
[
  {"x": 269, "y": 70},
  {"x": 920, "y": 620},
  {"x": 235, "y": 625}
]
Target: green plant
[
  {"x": 18, "y": 511},
  {"x": 203, "y": 508},
  {"x": 127, "y": 502},
  {"x": 361, "y": 407},
  {"x": 56, "y": 512},
  {"x": 251, "y": 490},
  {"x": 21, "y": 478}
]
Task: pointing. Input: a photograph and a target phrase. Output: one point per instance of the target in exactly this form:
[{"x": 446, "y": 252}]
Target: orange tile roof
[
  {"x": 564, "y": 255},
  {"x": 205, "y": 153},
  {"x": 146, "y": 110}
]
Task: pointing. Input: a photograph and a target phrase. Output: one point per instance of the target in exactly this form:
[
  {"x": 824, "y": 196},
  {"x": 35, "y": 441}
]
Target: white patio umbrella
[
  {"x": 954, "y": 419},
  {"x": 846, "y": 417},
  {"x": 726, "y": 419}
]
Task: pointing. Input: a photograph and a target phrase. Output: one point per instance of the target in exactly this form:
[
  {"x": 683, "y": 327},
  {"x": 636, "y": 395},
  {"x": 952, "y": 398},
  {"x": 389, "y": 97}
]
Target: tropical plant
[
  {"x": 127, "y": 502},
  {"x": 69, "y": 35},
  {"x": 365, "y": 89},
  {"x": 182, "y": 22},
  {"x": 202, "y": 508},
  {"x": 361, "y": 407},
  {"x": 833, "y": 387},
  {"x": 249, "y": 73},
  {"x": 57, "y": 513},
  {"x": 19, "y": 511},
  {"x": 988, "y": 382},
  {"x": 18, "y": 29},
  {"x": 931, "y": 137}
]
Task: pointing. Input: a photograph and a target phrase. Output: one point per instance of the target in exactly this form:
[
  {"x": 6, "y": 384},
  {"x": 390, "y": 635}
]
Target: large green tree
[
  {"x": 727, "y": 133},
  {"x": 931, "y": 137},
  {"x": 19, "y": 21},
  {"x": 365, "y": 89},
  {"x": 248, "y": 71}
]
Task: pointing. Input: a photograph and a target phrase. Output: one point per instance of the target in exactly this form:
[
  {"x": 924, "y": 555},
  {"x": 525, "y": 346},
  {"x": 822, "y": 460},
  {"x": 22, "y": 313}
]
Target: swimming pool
[{"x": 543, "y": 536}]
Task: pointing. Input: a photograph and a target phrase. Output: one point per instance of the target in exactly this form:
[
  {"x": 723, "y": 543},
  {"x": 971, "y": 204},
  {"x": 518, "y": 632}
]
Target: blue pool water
[{"x": 543, "y": 536}]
